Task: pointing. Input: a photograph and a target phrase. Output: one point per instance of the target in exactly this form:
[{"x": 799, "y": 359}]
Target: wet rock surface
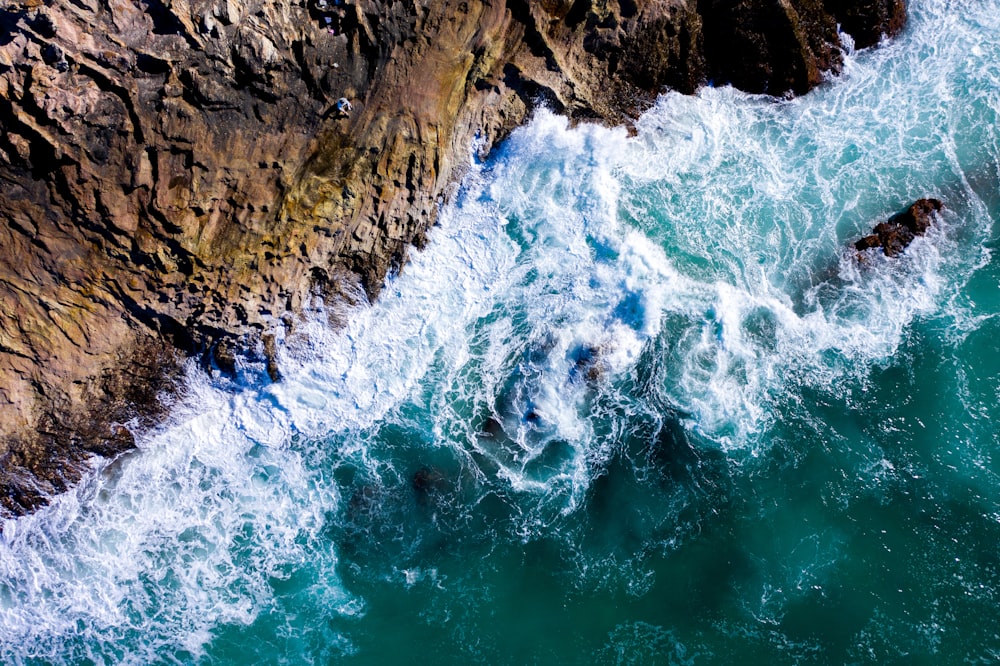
[
  {"x": 895, "y": 234},
  {"x": 182, "y": 176}
]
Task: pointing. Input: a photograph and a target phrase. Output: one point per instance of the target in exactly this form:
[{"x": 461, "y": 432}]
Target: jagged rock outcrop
[
  {"x": 176, "y": 174},
  {"x": 895, "y": 234}
]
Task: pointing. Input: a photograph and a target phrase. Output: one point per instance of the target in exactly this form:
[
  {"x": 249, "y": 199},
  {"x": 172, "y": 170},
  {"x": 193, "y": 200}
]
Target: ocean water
[{"x": 638, "y": 402}]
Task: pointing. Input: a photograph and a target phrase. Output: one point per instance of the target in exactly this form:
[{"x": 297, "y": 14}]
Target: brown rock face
[
  {"x": 895, "y": 234},
  {"x": 177, "y": 175}
]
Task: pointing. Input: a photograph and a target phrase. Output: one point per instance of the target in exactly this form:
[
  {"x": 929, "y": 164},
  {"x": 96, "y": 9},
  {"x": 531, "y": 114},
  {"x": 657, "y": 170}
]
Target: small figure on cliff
[{"x": 344, "y": 106}]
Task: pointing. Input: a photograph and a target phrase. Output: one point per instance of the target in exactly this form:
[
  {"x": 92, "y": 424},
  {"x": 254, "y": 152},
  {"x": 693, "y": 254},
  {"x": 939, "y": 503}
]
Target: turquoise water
[{"x": 638, "y": 402}]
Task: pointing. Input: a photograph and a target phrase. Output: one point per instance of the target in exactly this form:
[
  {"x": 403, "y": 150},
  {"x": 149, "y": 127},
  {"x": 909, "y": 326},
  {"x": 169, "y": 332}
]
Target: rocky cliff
[{"x": 178, "y": 177}]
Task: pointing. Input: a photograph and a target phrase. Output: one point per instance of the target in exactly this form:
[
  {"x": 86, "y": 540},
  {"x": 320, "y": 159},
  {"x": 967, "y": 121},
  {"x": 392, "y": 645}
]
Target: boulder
[{"x": 895, "y": 234}]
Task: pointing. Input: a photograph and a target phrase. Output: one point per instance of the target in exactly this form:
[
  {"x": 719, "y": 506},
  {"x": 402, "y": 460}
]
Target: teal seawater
[{"x": 638, "y": 402}]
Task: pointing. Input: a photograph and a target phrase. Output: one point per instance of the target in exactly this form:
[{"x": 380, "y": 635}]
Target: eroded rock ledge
[{"x": 176, "y": 176}]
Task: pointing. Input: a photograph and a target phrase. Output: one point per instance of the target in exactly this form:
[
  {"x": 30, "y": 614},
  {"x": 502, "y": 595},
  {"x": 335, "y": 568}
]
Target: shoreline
[{"x": 183, "y": 182}]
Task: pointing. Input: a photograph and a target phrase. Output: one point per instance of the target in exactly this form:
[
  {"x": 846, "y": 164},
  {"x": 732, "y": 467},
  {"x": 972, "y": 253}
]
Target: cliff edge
[{"x": 181, "y": 176}]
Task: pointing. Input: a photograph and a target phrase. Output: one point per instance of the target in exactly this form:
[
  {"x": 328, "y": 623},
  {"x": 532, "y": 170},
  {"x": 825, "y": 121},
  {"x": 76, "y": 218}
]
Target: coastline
[{"x": 181, "y": 182}]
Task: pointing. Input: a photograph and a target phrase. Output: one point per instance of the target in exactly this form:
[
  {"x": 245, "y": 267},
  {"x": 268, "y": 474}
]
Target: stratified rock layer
[{"x": 177, "y": 175}]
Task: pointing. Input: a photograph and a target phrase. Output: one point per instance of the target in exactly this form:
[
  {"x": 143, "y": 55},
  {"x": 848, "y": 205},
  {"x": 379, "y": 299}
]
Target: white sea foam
[{"x": 147, "y": 557}]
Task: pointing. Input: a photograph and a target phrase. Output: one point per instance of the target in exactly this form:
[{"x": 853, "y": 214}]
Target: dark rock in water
[
  {"x": 428, "y": 482},
  {"x": 892, "y": 238},
  {"x": 896, "y": 233},
  {"x": 223, "y": 357},
  {"x": 588, "y": 363},
  {"x": 919, "y": 216},
  {"x": 271, "y": 356},
  {"x": 432, "y": 488},
  {"x": 363, "y": 510},
  {"x": 491, "y": 427}
]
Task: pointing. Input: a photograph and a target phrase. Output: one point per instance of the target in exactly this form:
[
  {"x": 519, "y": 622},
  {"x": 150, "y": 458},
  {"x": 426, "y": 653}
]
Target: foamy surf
[
  {"x": 599, "y": 370},
  {"x": 155, "y": 550}
]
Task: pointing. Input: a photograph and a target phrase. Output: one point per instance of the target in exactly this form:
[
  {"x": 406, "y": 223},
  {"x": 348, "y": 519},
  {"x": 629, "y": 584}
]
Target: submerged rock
[
  {"x": 588, "y": 363},
  {"x": 429, "y": 483},
  {"x": 176, "y": 173},
  {"x": 895, "y": 234}
]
